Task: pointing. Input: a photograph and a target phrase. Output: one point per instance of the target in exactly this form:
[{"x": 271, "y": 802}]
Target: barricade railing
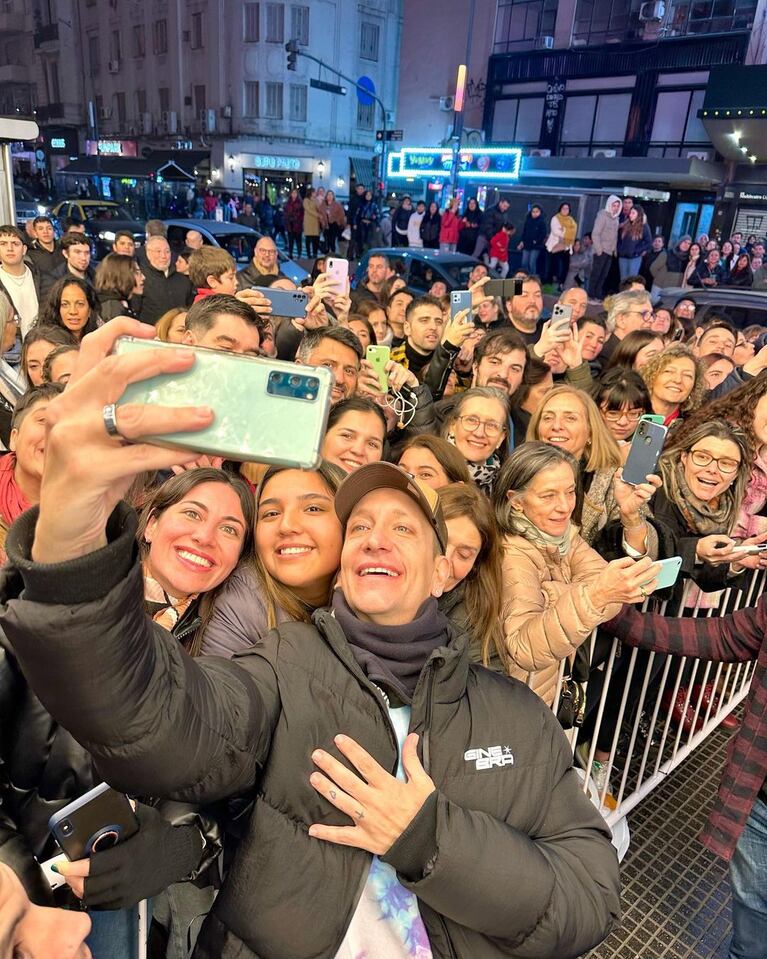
[{"x": 636, "y": 715}]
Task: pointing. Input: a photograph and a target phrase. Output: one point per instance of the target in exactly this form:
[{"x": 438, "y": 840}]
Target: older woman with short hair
[{"x": 478, "y": 428}]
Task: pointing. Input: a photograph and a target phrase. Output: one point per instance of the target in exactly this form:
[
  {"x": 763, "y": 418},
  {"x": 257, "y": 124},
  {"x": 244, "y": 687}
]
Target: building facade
[{"x": 211, "y": 77}]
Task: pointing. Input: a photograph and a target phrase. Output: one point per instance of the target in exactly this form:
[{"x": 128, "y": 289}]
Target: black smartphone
[
  {"x": 646, "y": 447},
  {"x": 503, "y": 288},
  {"x": 96, "y": 821}
]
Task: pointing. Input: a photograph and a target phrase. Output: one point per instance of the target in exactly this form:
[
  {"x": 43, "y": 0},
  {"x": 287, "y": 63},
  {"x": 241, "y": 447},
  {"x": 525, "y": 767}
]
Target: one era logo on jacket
[{"x": 492, "y": 756}]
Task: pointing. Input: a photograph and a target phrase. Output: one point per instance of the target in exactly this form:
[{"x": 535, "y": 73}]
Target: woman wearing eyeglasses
[
  {"x": 477, "y": 429},
  {"x": 623, "y": 400}
]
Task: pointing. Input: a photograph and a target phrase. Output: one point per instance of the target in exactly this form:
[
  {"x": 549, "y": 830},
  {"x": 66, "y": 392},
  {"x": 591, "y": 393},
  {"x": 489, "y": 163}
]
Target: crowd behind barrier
[{"x": 506, "y": 541}]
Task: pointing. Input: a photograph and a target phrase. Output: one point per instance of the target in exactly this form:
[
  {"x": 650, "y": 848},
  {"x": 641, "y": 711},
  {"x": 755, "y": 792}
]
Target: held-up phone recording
[
  {"x": 378, "y": 357},
  {"x": 561, "y": 317},
  {"x": 460, "y": 300},
  {"x": 503, "y": 288},
  {"x": 669, "y": 572},
  {"x": 338, "y": 269},
  {"x": 267, "y": 411},
  {"x": 290, "y": 303},
  {"x": 94, "y": 822},
  {"x": 644, "y": 453}
]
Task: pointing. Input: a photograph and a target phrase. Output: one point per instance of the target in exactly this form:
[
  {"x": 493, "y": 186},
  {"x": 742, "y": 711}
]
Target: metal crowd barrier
[{"x": 647, "y": 745}]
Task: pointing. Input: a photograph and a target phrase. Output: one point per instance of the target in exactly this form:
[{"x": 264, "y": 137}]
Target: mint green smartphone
[
  {"x": 266, "y": 411},
  {"x": 378, "y": 357}
]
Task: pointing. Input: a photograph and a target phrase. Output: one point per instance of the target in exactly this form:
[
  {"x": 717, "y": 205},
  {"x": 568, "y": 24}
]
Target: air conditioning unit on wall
[
  {"x": 546, "y": 43},
  {"x": 605, "y": 153},
  {"x": 446, "y": 103},
  {"x": 654, "y": 11}
]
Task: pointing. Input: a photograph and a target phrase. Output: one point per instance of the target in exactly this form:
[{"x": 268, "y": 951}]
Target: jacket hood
[{"x": 610, "y": 200}]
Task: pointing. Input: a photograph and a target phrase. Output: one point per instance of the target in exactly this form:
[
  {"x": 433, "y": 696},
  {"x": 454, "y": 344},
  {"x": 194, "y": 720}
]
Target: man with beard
[{"x": 525, "y": 310}]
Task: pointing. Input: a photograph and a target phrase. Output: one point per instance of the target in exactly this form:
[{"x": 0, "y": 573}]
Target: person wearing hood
[
  {"x": 604, "y": 239},
  {"x": 668, "y": 267},
  {"x": 533, "y": 239}
]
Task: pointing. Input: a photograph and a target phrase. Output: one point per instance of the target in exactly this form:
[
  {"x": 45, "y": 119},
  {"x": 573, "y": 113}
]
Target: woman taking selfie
[
  {"x": 297, "y": 553},
  {"x": 434, "y": 461},
  {"x": 556, "y": 589},
  {"x": 355, "y": 434},
  {"x": 472, "y": 596},
  {"x": 477, "y": 428},
  {"x": 676, "y": 383},
  {"x": 71, "y": 305}
]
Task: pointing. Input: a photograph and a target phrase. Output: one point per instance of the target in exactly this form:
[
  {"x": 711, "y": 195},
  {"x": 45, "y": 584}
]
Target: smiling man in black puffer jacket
[{"x": 403, "y": 797}]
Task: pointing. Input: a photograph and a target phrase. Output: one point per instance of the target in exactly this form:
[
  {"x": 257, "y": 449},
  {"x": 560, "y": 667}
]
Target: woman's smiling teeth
[
  {"x": 294, "y": 550},
  {"x": 195, "y": 558}
]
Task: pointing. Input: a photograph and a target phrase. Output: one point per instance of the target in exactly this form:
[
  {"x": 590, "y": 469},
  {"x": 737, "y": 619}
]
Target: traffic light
[{"x": 292, "y": 47}]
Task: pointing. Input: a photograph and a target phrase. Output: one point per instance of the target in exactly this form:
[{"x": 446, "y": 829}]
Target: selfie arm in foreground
[{"x": 72, "y": 601}]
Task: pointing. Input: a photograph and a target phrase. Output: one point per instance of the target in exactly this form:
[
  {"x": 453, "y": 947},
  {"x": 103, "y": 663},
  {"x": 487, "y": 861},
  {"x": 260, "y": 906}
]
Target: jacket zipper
[{"x": 427, "y": 722}]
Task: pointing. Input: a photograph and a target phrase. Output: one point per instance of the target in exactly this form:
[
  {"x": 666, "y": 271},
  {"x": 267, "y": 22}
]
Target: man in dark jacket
[
  {"x": 356, "y": 200},
  {"x": 77, "y": 251},
  {"x": 44, "y": 253},
  {"x": 265, "y": 262},
  {"x": 313, "y": 721},
  {"x": 533, "y": 239},
  {"x": 492, "y": 220},
  {"x": 164, "y": 288}
]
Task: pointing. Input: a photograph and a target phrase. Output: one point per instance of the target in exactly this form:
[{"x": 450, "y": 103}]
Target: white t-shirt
[
  {"x": 414, "y": 229},
  {"x": 22, "y": 292}
]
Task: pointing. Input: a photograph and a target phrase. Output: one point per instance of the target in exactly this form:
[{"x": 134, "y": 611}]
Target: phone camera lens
[
  {"x": 295, "y": 381},
  {"x": 648, "y": 441},
  {"x": 313, "y": 383},
  {"x": 66, "y": 828}
]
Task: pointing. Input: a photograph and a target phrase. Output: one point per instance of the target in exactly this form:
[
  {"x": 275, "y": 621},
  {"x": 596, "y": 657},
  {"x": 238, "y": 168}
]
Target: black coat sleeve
[{"x": 121, "y": 685}]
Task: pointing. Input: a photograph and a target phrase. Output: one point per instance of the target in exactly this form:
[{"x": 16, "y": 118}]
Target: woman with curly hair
[{"x": 676, "y": 383}]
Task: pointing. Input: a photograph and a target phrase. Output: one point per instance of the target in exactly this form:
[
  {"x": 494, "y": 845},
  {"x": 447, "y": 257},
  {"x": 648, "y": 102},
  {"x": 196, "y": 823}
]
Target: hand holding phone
[
  {"x": 378, "y": 357},
  {"x": 337, "y": 269},
  {"x": 290, "y": 303},
  {"x": 561, "y": 318},
  {"x": 644, "y": 452},
  {"x": 96, "y": 821}
]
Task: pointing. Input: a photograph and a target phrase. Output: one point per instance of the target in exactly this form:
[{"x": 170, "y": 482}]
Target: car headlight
[
  {"x": 107, "y": 235},
  {"x": 41, "y": 210}
]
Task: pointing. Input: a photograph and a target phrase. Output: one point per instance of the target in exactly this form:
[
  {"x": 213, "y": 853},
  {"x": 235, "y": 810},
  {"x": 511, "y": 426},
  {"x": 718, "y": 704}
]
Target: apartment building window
[
  {"x": 115, "y": 47},
  {"x": 518, "y": 120},
  {"x": 250, "y": 98},
  {"x": 198, "y": 37},
  {"x": 251, "y": 13},
  {"x": 140, "y": 102},
  {"x": 121, "y": 112},
  {"x": 274, "y": 101},
  {"x": 139, "y": 40},
  {"x": 199, "y": 98},
  {"x": 520, "y": 23},
  {"x": 600, "y": 21},
  {"x": 595, "y": 119},
  {"x": 299, "y": 25},
  {"x": 99, "y": 106},
  {"x": 52, "y": 81},
  {"x": 164, "y": 95},
  {"x": 676, "y": 122},
  {"x": 365, "y": 116},
  {"x": 275, "y": 23},
  {"x": 369, "y": 38},
  {"x": 94, "y": 54},
  {"x": 708, "y": 16},
  {"x": 160, "y": 36},
  {"x": 298, "y": 102}
]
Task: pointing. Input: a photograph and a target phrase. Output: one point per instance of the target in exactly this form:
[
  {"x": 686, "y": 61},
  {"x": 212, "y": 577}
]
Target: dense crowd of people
[{"x": 302, "y": 676}]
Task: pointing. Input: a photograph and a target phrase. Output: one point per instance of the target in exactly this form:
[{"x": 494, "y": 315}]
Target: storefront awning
[
  {"x": 690, "y": 173},
  {"x": 362, "y": 170},
  {"x": 129, "y": 167}
]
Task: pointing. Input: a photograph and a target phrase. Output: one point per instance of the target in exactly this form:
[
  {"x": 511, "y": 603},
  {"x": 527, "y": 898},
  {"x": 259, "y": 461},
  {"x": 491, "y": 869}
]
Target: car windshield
[
  {"x": 459, "y": 273},
  {"x": 238, "y": 245},
  {"x": 106, "y": 212}
]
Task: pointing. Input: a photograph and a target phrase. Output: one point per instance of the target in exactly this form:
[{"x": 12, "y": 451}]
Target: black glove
[{"x": 141, "y": 867}]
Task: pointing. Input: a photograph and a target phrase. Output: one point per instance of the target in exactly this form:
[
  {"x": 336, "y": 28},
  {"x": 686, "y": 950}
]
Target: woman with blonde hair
[
  {"x": 171, "y": 325},
  {"x": 472, "y": 596},
  {"x": 570, "y": 420}
]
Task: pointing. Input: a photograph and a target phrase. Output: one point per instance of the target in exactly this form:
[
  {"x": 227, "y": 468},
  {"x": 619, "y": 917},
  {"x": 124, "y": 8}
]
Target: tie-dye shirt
[{"x": 386, "y": 923}]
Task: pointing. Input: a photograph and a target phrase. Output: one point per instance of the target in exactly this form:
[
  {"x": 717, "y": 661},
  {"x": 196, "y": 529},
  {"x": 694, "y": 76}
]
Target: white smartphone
[
  {"x": 753, "y": 549},
  {"x": 561, "y": 317},
  {"x": 338, "y": 268}
]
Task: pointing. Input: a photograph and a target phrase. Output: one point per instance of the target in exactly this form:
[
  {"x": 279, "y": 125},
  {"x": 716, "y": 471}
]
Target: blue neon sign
[{"x": 488, "y": 163}]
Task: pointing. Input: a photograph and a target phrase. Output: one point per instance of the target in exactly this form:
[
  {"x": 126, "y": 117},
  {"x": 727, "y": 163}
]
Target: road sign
[
  {"x": 389, "y": 135},
  {"x": 368, "y": 87},
  {"x": 328, "y": 87}
]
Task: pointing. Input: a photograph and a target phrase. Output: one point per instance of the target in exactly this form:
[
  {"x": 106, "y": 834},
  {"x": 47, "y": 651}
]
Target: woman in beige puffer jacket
[{"x": 556, "y": 588}]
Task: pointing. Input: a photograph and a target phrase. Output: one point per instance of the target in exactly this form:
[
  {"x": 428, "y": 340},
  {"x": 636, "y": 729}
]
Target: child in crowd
[{"x": 212, "y": 270}]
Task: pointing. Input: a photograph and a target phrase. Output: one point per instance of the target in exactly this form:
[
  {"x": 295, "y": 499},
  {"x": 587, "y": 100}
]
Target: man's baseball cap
[{"x": 388, "y": 476}]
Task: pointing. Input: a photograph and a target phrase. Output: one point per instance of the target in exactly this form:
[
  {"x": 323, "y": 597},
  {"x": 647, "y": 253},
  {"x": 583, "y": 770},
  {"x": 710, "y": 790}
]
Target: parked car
[
  {"x": 420, "y": 267},
  {"x": 741, "y": 307},
  {"x": 27, "y": 206},
  {"x": 102, "y": 219},
  {"x": 237, "y": 240}
]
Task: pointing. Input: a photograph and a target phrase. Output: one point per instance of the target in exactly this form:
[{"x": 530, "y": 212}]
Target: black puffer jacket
[
  {"x": 42, "y": 768},
  {"x": 509, "y": 860}
]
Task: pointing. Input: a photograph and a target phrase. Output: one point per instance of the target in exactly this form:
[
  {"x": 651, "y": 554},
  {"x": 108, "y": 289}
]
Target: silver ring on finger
[{"x": 109, "y": 415}]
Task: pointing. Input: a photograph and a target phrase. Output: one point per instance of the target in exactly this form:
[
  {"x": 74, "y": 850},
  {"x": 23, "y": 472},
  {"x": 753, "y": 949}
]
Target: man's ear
[
  {"x": 440, "y": 575},
  {"x": 189, "y": 338}
]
